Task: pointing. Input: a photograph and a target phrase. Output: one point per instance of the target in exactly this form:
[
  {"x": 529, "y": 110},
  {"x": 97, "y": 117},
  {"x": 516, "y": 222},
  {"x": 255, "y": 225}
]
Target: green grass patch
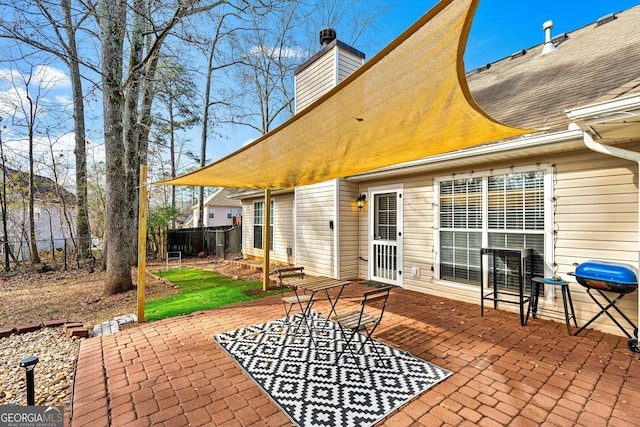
[{"x": 200, "y": 290}]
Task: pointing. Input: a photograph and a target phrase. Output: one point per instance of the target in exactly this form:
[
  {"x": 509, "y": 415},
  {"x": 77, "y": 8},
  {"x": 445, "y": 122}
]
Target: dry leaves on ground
[{"x": 78, "y": 294}]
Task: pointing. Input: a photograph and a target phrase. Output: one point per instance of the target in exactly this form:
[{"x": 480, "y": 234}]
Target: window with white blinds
[
  {"x": 258, "y": 224},
  {"x": 499, "y": 210},
  {"x": 516, "y": 201}
]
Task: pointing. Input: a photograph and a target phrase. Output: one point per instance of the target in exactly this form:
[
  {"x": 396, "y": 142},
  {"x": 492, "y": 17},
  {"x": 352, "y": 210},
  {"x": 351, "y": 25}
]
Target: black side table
[
  {"x": 566, "y": 299},
  {"x": 516, "y": 265}
]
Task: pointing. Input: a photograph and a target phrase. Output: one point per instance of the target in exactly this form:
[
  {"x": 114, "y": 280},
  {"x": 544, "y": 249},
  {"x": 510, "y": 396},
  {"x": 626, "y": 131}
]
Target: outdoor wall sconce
[{"x": 360, "y": 200}]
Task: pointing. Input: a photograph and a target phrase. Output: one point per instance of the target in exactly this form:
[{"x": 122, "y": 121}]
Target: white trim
[
  {"x": 556, "y": 140},
  {"x": 549, "y": 255},
  {"x": 603, "y": 111},
  {"x": 295, "y": 91},
  {"x": 372, "y": 191},
  {"x": 549, "y": 234},
  {"x": 295, "y": 227},
  {"x": 336, "y": 68},
  {"x": 336, "y": 227}
]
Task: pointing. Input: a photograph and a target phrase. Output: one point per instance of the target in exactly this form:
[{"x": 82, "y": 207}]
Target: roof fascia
[
  {"x": 606, "y": 111},
  {"x": 252, "y": 194},
  {"x": 537, "y": 140}
]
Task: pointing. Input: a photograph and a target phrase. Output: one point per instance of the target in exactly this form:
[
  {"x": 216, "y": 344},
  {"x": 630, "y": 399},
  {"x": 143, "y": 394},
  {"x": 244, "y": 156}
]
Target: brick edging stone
[{"x": 70, "y": 328}]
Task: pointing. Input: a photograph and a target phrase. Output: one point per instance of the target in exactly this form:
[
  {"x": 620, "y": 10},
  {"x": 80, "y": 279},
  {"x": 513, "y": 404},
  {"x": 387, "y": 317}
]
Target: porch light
[{"x": 360, "y": 200}]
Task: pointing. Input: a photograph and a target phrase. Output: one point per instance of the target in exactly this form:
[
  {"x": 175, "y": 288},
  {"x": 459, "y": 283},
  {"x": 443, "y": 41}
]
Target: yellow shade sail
[{"x": 408, "y": 102}]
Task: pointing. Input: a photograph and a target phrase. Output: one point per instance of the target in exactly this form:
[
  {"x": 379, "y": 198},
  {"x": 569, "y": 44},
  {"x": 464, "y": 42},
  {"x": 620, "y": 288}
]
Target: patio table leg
[
  {"x": 305, "y": 312},
  {"x": 333, "y": 304}
]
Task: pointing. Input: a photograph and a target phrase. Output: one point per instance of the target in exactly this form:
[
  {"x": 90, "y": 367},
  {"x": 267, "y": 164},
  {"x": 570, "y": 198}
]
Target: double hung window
[
  {"x": 489, "y": 210},
  {"x": 258, "y": 225}
]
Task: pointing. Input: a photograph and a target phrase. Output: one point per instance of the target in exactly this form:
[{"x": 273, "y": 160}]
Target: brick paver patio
[{"x": 173, "y": 373}]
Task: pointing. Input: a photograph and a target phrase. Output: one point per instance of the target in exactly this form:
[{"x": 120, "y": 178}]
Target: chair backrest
[
  {"x": 289, "y": 273},
  {"x": 374, "y": 296}
]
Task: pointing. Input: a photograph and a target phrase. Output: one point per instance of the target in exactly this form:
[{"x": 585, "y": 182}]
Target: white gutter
[
  {"x": 611, "y": 151},
  {"x": 634, "y": 156},
  {"x": 603, "y": 112}
]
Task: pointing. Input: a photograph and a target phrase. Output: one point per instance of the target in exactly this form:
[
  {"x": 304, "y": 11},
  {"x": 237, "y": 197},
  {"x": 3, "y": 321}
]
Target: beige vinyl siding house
[
  {"x": 315, "y": 81},
  {"x": 331, "y": 65},
  {"x": 348, "y": 221},
  {"x": 593, "y": 210},
  {"x": 324, "y": 245},
  {"x": 316, "y": 228},
  {"x": 282, "y": 231},
  {"x": 327, "y": 224},
  {"x": 310, "y": 234},
  {"x": 552, "y": 190},
  {"x": 349, "y": 61}
]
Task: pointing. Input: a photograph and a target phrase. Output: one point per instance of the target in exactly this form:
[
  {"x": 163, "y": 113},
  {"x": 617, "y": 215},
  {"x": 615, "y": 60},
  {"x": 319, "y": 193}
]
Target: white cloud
[
  {"x": 42, "y": 75},
  {"x": 51, "y": 77},
  {"x": 11, "y": 100},
  {"x": 286, "y": 52},
  {"x": 64, "y": 99},
  {"x": 8, "y": 75},
  {"x": 65, "y": 144}
]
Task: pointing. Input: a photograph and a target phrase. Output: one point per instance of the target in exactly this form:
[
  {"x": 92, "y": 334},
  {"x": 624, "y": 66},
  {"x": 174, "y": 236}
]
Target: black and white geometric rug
[{"x": 304, "y": 379}]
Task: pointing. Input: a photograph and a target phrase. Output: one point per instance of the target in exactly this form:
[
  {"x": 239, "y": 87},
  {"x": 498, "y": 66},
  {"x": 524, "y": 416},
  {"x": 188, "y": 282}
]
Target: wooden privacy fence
[{"x": 223, "y": 242}]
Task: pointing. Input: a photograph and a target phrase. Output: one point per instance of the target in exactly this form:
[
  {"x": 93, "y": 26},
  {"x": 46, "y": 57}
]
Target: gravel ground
[
  {"x": 67, "y": 297},
  {"x": 53, "y": 374}
]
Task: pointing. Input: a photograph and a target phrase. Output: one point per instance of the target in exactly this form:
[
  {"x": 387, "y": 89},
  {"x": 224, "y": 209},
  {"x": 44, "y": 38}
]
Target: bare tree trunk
[
  {"x": 83, "y": 232},
  {"x": 132, "y": 159},
  {"x": 172, "y": 152},
  {"x": 33, "y": 246},
  {"x": 7, "y": 266},
  {"x": 118, "y": 277},
  {"x": 205, "y": 124},
  {"x": 205, "y": 118}
]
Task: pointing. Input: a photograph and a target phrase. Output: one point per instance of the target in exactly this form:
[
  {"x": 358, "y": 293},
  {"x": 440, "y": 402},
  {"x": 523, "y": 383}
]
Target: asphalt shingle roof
[{"x": 594, "y": 62}]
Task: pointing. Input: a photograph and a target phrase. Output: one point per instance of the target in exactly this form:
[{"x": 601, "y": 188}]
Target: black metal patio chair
[
  {"x": 303, "y": 301},
  {"x": 364, "y": 321}
]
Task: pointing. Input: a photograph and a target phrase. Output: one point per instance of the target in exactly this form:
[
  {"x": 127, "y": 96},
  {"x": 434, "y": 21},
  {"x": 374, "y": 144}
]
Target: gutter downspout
[{"x": 634, "y": 156}]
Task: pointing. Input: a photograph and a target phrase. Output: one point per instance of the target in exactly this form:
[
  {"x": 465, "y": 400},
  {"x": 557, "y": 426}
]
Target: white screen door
[{"x": 385, "y": 231}]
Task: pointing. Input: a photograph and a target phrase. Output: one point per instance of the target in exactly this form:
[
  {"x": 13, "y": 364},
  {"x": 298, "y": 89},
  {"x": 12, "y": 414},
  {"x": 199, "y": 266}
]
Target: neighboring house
[
  {"x": 563, "y": 190},
  {"x": 219, "y": 210},
  {"x": 54, "y": 213}
]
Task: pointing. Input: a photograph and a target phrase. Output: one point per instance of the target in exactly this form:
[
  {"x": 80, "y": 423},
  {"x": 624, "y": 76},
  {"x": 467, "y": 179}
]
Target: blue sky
[{"x": 502, "y": 27}]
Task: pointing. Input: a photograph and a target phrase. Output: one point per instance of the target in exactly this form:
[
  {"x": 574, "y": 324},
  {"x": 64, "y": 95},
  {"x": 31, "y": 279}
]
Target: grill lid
[{"x": 607, "y": 271}]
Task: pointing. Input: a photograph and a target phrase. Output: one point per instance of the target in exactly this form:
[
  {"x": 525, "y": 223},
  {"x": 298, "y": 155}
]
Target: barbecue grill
[{"x": 602, "y": 276}]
